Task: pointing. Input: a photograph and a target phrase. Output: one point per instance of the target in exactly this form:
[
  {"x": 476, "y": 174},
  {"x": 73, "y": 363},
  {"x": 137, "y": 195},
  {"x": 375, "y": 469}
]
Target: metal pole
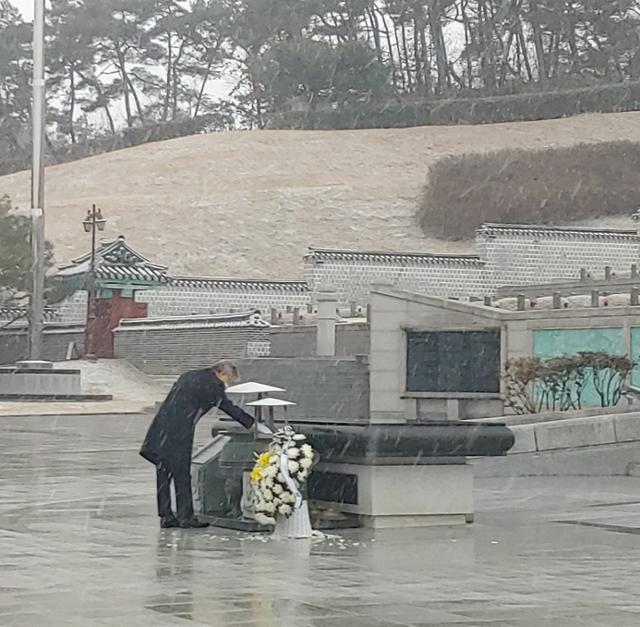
[
  {"x": 37, "y": 185},
  {"x": 91, "y": 296}
]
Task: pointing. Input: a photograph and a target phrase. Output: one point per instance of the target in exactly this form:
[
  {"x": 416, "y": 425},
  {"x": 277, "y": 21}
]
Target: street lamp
[{"x": 92, "y": 223}]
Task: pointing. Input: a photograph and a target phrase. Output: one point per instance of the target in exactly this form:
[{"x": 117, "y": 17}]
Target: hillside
[{"x": 250, "y": 203}]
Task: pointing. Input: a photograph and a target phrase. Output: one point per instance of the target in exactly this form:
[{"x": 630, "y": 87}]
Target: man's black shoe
[
  {"x": 193, "y": 523},
  {"x": 168, "y": 522}
]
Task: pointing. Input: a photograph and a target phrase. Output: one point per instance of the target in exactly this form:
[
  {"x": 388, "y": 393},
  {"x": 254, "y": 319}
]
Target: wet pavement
[{"x": 80, "y": 546}]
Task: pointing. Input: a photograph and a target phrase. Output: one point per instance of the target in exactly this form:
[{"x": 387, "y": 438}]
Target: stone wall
[
  {"x": 506, "y": 255},
  {"x": 352, "y": 273},
  {"x": 56, "y": 339},
  {"x": 324, "y": 389},
  {"x": 184, "y": 297},
  {"x": 300, "y": 341},
  {"x": 518, "y": 255},
  {"x": 168, "y": 347}
]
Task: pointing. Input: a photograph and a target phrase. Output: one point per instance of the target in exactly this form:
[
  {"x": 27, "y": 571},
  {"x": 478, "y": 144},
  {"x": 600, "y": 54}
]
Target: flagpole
[{"x": 37, "y": 185}]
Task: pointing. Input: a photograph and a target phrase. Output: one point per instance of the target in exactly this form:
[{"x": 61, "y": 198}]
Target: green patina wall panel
[{"x": 557, "y": 342}]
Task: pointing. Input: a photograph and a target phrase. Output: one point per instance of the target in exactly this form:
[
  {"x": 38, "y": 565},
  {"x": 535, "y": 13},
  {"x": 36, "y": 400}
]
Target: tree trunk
[
  {"x": 538, "y": 44},
  {"x": 204, "y": 82},
  {"x": 72, "y": 102},
  {"x": 437, "y": 37},
  {"x": 125, "y": 85},
  {"x": 176, "y": 63},
  {"x": 406, "y": 57},
  {"x": 524, "y": 52},
  {"x": 468, "y": 39},
  {"x": 134, "y": 93},
  {"x": 404, "y": 67},
  {"x": 167, "y": 87}
]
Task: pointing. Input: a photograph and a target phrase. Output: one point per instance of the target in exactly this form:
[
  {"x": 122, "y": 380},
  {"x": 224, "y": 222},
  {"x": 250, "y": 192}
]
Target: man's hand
[{"x": 262, "y": 428}]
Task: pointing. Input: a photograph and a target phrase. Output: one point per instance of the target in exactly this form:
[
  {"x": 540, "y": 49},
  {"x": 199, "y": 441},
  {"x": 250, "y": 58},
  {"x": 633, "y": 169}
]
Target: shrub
[
  {"x": 534, "y": 385},
  {"x": 549, "y": 186},
  {"x": 474, "y": 110}
]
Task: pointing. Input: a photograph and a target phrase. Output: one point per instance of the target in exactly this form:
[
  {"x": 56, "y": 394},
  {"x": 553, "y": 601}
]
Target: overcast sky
[{"x": 25, "y": 7}]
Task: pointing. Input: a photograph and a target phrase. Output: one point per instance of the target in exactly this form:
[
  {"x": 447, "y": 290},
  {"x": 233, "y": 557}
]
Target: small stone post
[
  {"x": 520, "y": 302},
  {"x": 327, "y": 300},
  {"x": 583, "y": 275},
  {"x": 634, "y": 270},
  {"x": 595, "y": 298},
  {"x": 607, "y": 273},
  {"x": 633, "y": 300},
  {"x": 296, "y": 315},
  {"x": 274, "y": 316},
  {"x": 556, "y": 300}
]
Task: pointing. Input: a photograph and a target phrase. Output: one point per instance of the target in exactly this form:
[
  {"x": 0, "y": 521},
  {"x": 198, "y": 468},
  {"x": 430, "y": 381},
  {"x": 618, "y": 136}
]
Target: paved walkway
[{"x": 79, "y": 546}]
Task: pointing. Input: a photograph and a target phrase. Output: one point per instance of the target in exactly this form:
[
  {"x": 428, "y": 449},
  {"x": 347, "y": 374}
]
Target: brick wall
[
  {"x": 56, "y": 339},
  {"x": 168, "y": 350},
  {"x": 300, "y": 341}
]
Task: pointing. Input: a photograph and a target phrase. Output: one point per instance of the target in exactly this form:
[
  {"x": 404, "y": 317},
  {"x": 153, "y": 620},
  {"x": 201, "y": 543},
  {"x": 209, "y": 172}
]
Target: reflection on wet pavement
[{"x": 80, "y": 546}]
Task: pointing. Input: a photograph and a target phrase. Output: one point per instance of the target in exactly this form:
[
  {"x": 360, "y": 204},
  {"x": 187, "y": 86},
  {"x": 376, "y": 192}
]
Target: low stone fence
[
  {"x": 166, "y": 346},
  {"x": 576, "y": 432},
  {"x": 56, "y": 340},
  {"x": 300, "y": 341}
]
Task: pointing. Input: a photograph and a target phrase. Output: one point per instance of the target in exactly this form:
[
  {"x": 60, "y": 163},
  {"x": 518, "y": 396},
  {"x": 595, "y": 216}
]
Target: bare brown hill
[{"x": 250, "y": 203}]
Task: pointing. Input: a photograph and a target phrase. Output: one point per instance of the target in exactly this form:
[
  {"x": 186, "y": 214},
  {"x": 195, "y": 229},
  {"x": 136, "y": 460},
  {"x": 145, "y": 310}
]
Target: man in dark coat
[{"x": 169, "y": 440}]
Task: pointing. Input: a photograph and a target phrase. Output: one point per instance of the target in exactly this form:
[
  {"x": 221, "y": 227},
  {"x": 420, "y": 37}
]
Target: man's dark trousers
[{"x": 180, "y": 474}]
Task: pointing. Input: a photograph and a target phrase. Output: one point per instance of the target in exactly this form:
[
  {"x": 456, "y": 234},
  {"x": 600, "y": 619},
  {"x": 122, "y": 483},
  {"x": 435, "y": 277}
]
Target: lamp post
[
  {"x": 92, "y": 223},
  {"x": 37, "y": 186}
]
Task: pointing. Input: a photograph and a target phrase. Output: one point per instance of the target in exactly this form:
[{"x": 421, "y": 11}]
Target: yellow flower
[
  {"x": 255, "y": 475},
  {"x": 262, "y": 462}
]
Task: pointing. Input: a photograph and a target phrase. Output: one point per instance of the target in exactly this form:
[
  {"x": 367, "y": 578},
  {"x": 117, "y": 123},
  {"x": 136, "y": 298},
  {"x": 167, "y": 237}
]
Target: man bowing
[{"x": 169, "y": 440}]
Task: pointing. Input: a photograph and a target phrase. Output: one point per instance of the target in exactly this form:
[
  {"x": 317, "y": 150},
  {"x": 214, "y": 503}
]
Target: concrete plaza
[{"x": 80, "y": 546}]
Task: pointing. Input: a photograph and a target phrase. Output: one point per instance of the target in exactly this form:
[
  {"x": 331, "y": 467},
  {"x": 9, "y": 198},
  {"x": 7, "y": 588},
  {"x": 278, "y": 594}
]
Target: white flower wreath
[{"x": 279, "y": 474}]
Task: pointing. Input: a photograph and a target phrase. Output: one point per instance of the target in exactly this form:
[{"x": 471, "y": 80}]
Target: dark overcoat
[{"x": 169, "y": 439}]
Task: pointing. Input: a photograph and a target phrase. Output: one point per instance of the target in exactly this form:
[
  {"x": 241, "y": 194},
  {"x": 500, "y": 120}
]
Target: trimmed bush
[
  {"x": 482, "y": 110},
  {"x": 552, "y": 186}
]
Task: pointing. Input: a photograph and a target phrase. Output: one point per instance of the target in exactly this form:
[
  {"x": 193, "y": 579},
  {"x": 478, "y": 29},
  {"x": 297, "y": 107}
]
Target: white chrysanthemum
[
  {"x": 273, "y": 459},
  {"x": 280, "y": 477},
  {"x": 307, "y": 451},
  {"x": 293, "y": 466},
  {"x": 293, "y": 453},
  {"x": 277, "y": 489},
  {"x": 285, "y": 510},
  {"x": 268, "y": 482},
  {"x": 306, "y": 463},
  {"x": 302, "y": 475},
  {"x": 269, "y": 508},
  {"x": 287, "y": 497},
  {"x": 270, "y": 472},
  {"x": 267, "y": 495},
  {"x": 299, "y": 437}
]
